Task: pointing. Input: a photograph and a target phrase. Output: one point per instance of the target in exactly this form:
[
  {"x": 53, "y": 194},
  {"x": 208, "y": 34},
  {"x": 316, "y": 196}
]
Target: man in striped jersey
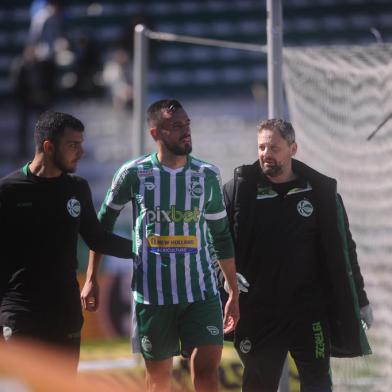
[{"x": 179, "y": 213}]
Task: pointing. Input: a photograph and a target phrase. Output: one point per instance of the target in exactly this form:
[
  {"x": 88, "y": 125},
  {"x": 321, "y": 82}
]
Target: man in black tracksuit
[
  {"x": 43, "y": 209},
  {"x": 293, "y": 245}
]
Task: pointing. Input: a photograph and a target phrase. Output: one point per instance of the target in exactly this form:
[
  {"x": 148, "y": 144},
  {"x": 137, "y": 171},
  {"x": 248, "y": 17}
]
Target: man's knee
[
  {"x": 158, "y": 374},
  {"x": 205, "y": 362}
]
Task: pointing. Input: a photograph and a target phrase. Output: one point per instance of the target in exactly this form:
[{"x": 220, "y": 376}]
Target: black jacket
[
  {"x": 343, "y": 278},
  {"x": 40, "y": 220}
]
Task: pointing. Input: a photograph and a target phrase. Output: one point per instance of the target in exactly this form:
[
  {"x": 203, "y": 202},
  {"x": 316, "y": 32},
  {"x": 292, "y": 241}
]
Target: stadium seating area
[{"x": 194, "y": 69}]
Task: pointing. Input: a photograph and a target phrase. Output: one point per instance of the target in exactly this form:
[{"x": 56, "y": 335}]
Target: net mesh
[{"x": 337, "y": 97}]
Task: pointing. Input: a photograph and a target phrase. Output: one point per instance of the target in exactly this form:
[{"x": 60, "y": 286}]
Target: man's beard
[
  {"x": 60, "y": 165},
  {"x": 272, "y": 171},
  {"x": 178, "y": 150}
]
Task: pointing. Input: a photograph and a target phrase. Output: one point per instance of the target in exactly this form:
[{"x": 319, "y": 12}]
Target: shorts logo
[
  {"x": 7, "y": 333},
  {"x": 195, "y": 189},
  {"x": 73, "y": 207},
  {"x": 149, "y": 186},
  {"x": 212, "y": 330},
  {"x": 146, "y": 344},
  {"x": 305, "y": 208},
  {"x": 245, "y": 345}
]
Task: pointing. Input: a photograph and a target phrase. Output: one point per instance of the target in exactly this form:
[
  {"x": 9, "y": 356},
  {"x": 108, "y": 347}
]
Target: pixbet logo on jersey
[{"x": 173, "y": 215}]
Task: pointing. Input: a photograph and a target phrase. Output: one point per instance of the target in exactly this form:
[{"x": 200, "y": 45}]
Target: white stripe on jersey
[
  {"x": 217, "y": 216},
  {"x": 157, "y": 228},
  {"x": 213, "y": 280},
  {"x": 198, "y": 260},
  {"x": 146, "y": 293},
  {"x": 202, "y": 166},
  {"x": 173, "y": 270},
  {"x": 187, "y": 256}
]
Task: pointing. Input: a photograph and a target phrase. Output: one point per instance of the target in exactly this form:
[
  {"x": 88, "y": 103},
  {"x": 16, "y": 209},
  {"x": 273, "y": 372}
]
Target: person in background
[
  {"x": 294, "y": 247},
  {"x": 32, "y": 82}
]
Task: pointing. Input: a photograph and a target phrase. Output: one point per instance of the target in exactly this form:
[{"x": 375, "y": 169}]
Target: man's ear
[
  {"x": 47, "y": 147},
  {"x": 154, "y": 133},
  {"x": 294, "y": 148}
]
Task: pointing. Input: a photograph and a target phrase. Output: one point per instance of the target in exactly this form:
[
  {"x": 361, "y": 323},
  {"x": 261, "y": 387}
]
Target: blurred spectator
[
  {"x": 47, "y": 25},
  {"x": 117, "y": 76},
  {"x": 33, "y": 80},
  {"x": 126, "y": 38},
  {"x": 36, "y": 6},
  {"x": 87, "y": 66}
]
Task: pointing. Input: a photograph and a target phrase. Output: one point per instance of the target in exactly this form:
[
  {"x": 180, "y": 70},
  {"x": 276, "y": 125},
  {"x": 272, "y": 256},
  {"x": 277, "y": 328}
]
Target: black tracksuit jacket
[
  {"x": 340, "y": 281},
  {"x": 40, "y": 220}
]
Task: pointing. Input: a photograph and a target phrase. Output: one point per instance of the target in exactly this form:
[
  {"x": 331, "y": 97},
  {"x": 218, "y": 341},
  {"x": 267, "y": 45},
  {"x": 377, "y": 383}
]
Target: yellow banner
[{"x": 172, "y": 244}]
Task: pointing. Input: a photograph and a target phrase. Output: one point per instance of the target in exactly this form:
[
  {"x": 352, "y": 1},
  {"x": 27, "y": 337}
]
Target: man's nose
[{"x": 81, "y": 151}]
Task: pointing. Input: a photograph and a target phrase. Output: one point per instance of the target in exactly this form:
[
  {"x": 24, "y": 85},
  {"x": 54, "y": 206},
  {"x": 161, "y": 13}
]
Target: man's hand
[
  {"x": 90, "y": 296},
  {"x": 242, "y": 284},
  {"x": 232, "y": 313},
  {"x": 366, "y": 313}
]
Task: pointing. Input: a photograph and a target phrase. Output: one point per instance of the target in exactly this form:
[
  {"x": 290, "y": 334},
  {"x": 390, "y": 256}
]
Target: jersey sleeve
[
  {"x": 216, "y": 217},
  {"x": 117, "y": 196},
  {"x": 94, "y": 234}
]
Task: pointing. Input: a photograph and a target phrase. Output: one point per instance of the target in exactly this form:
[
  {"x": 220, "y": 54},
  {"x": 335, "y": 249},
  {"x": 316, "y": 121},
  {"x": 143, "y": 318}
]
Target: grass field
[{"x": 112, "y": 363}]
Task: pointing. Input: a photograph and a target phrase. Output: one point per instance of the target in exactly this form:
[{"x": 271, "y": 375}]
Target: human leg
[
  {"x": 262, "y": 366},
  {"x": 205, "y": 362},
  {"x": 311, "y": 353},
  {"x": 201, "y": 335},
  {"x": 159, "y": 342},
  {"x": 158, "y": 375}
]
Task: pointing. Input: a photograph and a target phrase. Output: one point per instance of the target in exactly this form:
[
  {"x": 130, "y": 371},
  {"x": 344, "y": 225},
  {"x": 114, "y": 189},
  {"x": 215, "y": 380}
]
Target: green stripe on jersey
[{"x": 173, "y": 264}]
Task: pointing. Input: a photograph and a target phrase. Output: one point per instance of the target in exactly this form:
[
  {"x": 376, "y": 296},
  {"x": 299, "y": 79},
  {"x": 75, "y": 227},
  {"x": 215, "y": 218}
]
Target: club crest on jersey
[
  {"x": 195, "y": 189},
  {"x": 245, "y": 345},
  {"x": 73, "y": 207},
  {"x": 305, "y": 208}
]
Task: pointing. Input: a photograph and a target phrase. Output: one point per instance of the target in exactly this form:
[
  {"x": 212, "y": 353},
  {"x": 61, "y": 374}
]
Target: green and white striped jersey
[{"x": 178, "y": 214}]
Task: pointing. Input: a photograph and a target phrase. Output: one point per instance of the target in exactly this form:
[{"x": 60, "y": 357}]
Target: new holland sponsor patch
[{"x": 178, "y": 244}]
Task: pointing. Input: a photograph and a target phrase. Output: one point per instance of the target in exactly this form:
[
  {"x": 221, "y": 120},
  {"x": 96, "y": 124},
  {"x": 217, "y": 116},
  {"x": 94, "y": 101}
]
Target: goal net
[{"x": 337, "y": 97}]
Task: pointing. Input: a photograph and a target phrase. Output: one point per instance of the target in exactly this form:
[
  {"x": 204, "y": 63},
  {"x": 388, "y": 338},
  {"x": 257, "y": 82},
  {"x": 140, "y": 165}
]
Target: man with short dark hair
[
  {"x": 293, "y": 245},
  {"x": 177, "y": 203},
  {"x": 43, "y": 208}
]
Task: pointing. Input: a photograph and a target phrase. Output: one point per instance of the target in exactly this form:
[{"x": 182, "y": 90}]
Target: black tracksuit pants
[{"x": 305, "y": 336}]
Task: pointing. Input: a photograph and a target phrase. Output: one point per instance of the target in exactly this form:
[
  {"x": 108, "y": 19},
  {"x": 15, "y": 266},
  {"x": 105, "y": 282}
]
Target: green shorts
[{"x": 168, "y": 330}]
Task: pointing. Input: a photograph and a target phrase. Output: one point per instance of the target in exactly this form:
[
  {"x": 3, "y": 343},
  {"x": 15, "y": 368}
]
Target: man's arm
[
  {"x": 90, "y": 292},
  {"x": 366, "y": 312},
  {"x": 99, "y": 239},
  {"x": 117, "y": 196},
  {"x": 358, "y": 278},
  {"x": 232, "y": 310},
  {"x": 222, "y": 244}
]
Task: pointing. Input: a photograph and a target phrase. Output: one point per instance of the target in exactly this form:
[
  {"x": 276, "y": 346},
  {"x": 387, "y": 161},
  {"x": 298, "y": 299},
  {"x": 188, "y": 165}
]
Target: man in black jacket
[
  {"x": 43, "y": 208},
  {"x": 293, "y": 244}
]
